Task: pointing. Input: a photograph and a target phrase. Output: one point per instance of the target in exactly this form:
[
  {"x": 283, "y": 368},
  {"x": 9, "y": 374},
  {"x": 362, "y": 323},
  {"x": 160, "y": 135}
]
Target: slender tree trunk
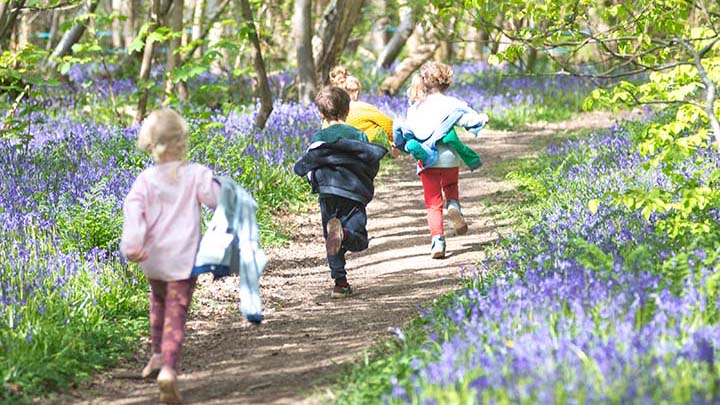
[
  {"x": 302, "y": 26},
  {"x": 54, "y": 20},
  {"x": 117, "y": 40},
  {"x": 131, "y": 10},
  {"x": 25, "y": 29},
  {"x": 198, "y": 14},
  {"x": 379, "y": 36},
  {"x": 172, "y": 60},
  {"x": 483, "y": 43},
  {"x": 156, "y": 16},
  {"x": 399, "y": 38},
  {"x": 263, "y": 87},
  {"x": 333, "y": 33},
  {"x": 213, "y": 19},
  {"x": 71, "y": 37},
  {"x": 9, "y": 11}
]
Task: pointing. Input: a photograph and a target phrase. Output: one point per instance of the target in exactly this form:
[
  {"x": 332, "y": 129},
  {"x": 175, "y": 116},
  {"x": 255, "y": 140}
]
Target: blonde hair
[
  {"x": 338, "y": 74},
  {"x": 164, "y": 135},
  {"x": 416, "y": 91},
  {"x": 340, "y": 77},
  {"x": 433, "y": 77}
]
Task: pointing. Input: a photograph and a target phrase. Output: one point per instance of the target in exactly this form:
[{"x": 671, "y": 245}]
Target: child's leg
[
  {"x": 449, "y": 181},
  {"x": 336, "y": 262},
  {"x": 158, "y": 292},
  {"x": 432, "y": 191},
  {"x": 354, "y": 223},
  {"x": 353, "y": 217},
  {"x": 177, "y": 303}
]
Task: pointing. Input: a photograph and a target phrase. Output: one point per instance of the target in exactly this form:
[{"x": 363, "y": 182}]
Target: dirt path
[{"x": 307, "y": 336}]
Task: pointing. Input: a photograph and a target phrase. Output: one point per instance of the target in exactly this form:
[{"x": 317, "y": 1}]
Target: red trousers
[
  {"x": 169, "y": 303},
  {"x": 437, "y": 182}
]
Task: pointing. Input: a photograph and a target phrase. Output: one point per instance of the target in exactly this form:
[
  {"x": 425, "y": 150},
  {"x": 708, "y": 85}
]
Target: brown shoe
[
  {"x": 167, "y": 380},
  {"x": 334, "y": 236},
  {"x": 341, "y": 291}
]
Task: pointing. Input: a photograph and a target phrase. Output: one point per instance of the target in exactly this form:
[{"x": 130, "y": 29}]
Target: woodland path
[{"x": 307, "y": 338}]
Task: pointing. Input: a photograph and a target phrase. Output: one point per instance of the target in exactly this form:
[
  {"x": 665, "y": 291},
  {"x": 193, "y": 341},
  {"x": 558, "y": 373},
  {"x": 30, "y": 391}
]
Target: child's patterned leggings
[
  {"x": 437, "y": 182},
  {"x": 169, "y": 303}
]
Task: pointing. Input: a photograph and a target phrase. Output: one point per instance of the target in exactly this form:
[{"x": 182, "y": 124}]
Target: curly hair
[
  {"x": 341, "y": 77},
  {"x": 338, "y": 74},
  {"x": 436, "y": 76}
]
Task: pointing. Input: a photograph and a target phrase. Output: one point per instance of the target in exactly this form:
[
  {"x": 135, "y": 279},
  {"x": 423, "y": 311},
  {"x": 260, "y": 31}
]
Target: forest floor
[{"x": 307, "y": 337}]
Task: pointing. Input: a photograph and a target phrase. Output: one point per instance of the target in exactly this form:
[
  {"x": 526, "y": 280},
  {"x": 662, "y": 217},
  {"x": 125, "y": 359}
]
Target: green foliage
[
  {"x": 677, "y": 45},
  {"x": 20, "y": 80},
  {"x": 78, "y": 326},
  {"x": 93, "y": 222}
]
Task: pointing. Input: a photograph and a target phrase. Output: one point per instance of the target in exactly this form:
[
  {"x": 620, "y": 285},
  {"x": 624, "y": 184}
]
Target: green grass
[{"x": 523, "y": 115}]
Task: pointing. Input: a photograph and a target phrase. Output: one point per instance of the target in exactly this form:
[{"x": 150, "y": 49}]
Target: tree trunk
[
  {"x": 9, "y": 11},
  {"x": 54, "y": 21},
  {"x": 131, "y": 11},
  {"x": 117, "y": 40},
  {"x": 333, "y": 33},
  {"x": 379, "y": 30},
  {"x": 263, "y": 87},
  {"x": 198, "y": 15},
  {"x": 25, "y": 29},
  {"x": 531, "y": 60},
  {"x": 71, "y": 37},
  {"x": 399, "y": 38},
  {"x": 156, "y": 16},
  {"x": 302, "y": 26},
  {"x": 172, "y": 60},
  {"x": 421, "y": 54},
  {"x": 211, "y": 22}
]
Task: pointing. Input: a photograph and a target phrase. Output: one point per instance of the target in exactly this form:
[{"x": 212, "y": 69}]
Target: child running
[
  {"x": 340, "y": 165},
  {"x": 430, "y": 119},
  {"x": 161, "y": 231},
  {"x": 364, "y": 116}
]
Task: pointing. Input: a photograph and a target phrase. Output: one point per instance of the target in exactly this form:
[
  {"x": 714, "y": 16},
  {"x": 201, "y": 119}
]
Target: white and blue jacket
[{"x": 231, "y": 245}]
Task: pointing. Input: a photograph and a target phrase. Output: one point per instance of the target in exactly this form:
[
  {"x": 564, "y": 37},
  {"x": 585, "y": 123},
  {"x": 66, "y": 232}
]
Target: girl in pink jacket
[{"x": 161, "y": 231}]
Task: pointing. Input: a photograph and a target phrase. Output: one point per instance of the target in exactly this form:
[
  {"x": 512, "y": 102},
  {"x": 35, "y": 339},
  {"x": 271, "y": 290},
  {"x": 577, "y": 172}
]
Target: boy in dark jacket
[{"x": 340, "y": 165}]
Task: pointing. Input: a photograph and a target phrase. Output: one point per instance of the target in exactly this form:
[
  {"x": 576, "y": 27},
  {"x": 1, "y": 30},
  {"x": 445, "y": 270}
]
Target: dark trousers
[{"x": 353, "y": 217}]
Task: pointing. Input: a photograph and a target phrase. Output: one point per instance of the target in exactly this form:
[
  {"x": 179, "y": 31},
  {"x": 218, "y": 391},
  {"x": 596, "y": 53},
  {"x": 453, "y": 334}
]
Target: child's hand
[
  {"x": 136, "y": 255},
  {"x": 485, "y": 118},
  {"x": 395, "y": 152}
]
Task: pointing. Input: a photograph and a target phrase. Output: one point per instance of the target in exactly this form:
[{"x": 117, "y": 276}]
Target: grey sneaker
[
  {"x": 456, "y": 217},
  {"x": 437, "y": 248},
  {"x": 334, "y": 236}
]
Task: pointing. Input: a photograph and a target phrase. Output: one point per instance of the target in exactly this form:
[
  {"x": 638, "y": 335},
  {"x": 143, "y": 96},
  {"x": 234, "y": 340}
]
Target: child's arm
[
  {"x": 473, "y": 121},
  {"x": 208, "y": 189},
  {"x": 134, "y": 224}
]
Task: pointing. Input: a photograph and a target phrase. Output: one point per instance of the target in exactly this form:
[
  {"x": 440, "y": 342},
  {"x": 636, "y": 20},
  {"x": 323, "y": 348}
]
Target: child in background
[
  {"x": 340, "y": 165},
  {"x": 432, "y": 111},
  {"x": 161, "y": 231},
  {"x": 364, "y": 116}
]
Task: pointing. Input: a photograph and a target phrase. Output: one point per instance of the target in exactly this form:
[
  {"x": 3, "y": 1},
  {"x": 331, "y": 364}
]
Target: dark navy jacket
[{"x": 345, "y": 168}]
